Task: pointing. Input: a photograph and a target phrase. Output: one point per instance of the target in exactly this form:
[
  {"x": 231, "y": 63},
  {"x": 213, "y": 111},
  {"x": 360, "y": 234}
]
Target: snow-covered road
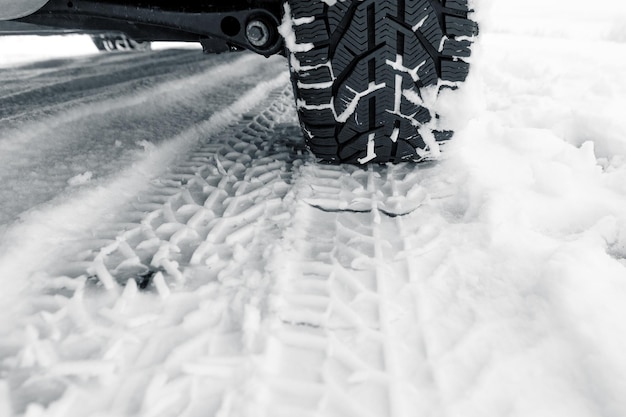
[{"x": 169, "y": 248}]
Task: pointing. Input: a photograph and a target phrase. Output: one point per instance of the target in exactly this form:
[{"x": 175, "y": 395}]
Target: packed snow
[{"x": 169, "y": 248}]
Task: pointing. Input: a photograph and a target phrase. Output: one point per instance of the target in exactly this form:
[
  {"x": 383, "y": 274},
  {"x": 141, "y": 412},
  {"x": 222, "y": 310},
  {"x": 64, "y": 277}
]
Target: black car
[{"x": 363, "y": 71}]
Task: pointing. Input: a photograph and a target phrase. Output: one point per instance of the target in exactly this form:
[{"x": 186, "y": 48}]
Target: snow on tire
[{"x": 365, "y": 74}]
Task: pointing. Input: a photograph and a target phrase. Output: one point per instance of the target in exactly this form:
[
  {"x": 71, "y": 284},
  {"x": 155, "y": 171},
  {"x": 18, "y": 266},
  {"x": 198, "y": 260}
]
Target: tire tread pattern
[{"x": 362, "y": 80}]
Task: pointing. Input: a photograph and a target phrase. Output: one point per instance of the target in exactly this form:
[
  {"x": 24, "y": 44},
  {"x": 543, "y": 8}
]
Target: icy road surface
[{"x": 169, "y": 248}]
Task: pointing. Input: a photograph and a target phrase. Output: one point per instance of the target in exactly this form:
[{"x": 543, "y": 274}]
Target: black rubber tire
[
  {"x": 363, "y": 72},
  {"x": 118, "y": 43}
]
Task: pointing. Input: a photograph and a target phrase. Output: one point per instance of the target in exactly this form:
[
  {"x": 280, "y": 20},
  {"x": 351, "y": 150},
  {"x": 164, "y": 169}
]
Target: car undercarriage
[{"x": 219, "y": 26}]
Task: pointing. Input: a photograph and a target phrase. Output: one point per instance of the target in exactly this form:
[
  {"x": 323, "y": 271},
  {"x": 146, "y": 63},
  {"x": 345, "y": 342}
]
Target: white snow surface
[
  {"x": 489, "y": 283},
  {"x": 17, "y": 50}
]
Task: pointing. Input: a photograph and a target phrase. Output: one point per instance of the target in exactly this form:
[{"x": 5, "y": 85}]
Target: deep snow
[{"x": 489, "y": 283}]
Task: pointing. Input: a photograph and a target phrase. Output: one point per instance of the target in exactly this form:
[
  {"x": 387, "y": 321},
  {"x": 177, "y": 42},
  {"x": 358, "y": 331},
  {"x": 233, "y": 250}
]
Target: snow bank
[{"x": 524, "y": 285}]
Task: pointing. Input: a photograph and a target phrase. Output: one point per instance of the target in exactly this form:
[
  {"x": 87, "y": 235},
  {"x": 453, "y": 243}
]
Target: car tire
[{"x": 365, "y": 73}]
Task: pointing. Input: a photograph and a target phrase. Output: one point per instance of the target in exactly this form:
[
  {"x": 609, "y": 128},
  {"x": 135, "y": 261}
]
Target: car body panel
[
  {"x": 9, "y": 28},
  {"x": 15, "y": 9}
]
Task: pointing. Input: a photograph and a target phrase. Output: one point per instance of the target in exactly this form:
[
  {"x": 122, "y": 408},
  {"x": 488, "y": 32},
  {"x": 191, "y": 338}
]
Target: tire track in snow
[
  {"x": 345, "y": 340},
  {"x": 48, "y": 85},
  {"x": 196, "y": 240},
  {"x": 106, "y": 136},
  {"x": 80, "y": 66},
  {"x": 104, "y": 82}
]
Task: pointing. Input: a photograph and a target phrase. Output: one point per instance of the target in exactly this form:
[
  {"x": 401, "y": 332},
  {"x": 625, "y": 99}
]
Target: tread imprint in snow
[
  {"x": 56, "y": 87},
  {"x": 347, "y": 308},
  {"x": 196, "y": 239},
  {"x": 211, "y": 202},
  {"x": 360, "y": 81}
]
